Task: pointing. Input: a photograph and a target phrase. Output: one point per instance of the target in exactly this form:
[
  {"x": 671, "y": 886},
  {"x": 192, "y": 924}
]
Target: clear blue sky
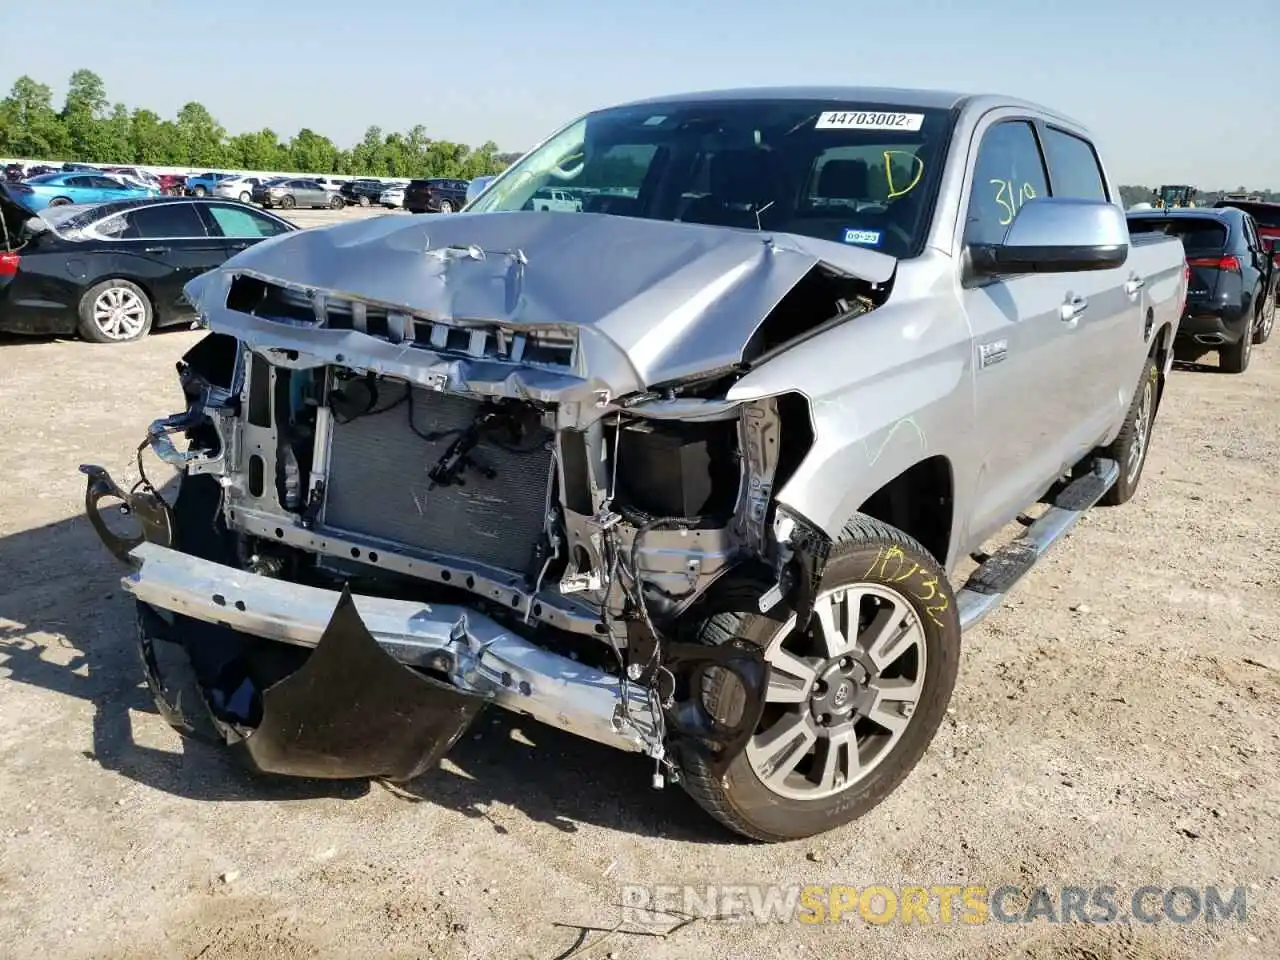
[{"x": 1176, "y": 92}]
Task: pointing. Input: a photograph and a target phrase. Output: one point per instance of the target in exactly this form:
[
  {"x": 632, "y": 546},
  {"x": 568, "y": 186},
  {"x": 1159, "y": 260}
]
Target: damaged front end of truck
[{"x": 431, "y": 465}]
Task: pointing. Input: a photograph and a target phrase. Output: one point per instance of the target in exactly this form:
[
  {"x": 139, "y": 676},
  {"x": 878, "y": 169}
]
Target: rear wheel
[
  {"x": 114, "y": 311},
  {"x": 853, "y": 700},
  {"x": 1129, "y": 448},
  {"x": 335, "y": 203},
  {"x": 200, "y": 191},
  {"x": 446, "y": 206},
  {"x": 364, "y": 200},
  {"x": 287, "y": 202},
  {"x": 1266, "y": 320},
  {"x": 1235, "y": 358}
]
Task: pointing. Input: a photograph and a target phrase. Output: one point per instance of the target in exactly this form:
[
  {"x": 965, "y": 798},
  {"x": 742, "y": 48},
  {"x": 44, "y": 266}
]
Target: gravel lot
[{"x": 1116, "y": 723}]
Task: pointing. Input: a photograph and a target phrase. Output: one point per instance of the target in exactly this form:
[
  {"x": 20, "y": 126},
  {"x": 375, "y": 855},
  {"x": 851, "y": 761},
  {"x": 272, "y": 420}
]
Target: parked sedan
[
  {"x": 56, "y": 189},
  {"x": 296, "y": 192},
  {"x": 237, "y": 188},
  {"x": 112, "y": 271}
]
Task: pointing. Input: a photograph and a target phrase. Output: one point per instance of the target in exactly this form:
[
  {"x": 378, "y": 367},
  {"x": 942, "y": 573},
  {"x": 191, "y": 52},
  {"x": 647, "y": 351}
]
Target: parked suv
[
  {"x": 1230, "y": 306},
  {"x": 365, "y": 192},
  {"x": 437, "y": 195}
]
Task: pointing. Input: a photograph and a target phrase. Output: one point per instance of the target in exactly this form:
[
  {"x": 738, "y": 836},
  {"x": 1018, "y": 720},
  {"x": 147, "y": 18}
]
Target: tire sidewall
[
  {"x": 88, "y": 329},
  {"x": 1124, "y": 488},
  {"x": 774, "y": 816}
]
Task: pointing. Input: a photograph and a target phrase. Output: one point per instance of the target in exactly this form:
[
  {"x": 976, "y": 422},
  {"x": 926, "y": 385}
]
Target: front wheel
[
  {"x": 853, "y": 700},
  {"x": 59, "y": 201},
  {"x": 446, "y": 206},
  {"x": 245, "y": 196},
  {"x": 200, "y": 191}
]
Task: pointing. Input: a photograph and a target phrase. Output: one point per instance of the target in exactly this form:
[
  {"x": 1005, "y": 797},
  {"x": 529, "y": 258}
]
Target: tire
[
  {"x": 1235, "y": 358},
  {"x": 885, "y": 563},
  {"x": 364, "y": 201},
  {"x": 446, "y": 206},
  {"x": 1130, "y": 447},
  {"x": 335, "y": 203},
  {"x": 245, "y": 196},
  {"x": 200, "y": 191},
  {"x": 115, "y": 311},
  {"x": 59, "y": 201},
  {"x": 287, "y": 202},
  {"x": 1266, "y": 320}
]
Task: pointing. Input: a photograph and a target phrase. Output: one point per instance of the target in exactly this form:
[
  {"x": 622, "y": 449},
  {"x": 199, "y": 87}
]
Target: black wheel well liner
[{"x": 920, "y": 502}]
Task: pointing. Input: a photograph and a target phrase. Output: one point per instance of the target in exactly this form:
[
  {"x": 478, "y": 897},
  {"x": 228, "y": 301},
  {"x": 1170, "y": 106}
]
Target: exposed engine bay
[{"x": 470, "y": 500}]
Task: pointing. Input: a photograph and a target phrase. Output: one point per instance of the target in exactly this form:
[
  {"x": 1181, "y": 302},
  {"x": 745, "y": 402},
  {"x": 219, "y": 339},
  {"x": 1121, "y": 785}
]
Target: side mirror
[{"x": 1057, "y": 235}]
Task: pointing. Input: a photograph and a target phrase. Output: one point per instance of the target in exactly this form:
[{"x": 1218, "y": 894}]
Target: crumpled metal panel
[{"x": 676, "y": 299}]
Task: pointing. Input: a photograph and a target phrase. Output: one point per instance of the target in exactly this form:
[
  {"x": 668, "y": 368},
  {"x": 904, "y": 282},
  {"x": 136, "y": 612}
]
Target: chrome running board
[{"x": 1000, "y": 572}]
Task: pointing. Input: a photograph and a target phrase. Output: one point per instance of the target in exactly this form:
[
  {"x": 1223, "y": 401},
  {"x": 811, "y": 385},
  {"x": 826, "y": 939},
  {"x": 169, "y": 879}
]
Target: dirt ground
[{"x": 1116, "y": 723}]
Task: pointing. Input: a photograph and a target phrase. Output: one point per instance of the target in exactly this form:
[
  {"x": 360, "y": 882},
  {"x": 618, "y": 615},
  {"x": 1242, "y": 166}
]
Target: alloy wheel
[
  {"x": 1141, "y": 430},
  {"x": 119, "y": 313},
  {"x": 841, "y": 694}
]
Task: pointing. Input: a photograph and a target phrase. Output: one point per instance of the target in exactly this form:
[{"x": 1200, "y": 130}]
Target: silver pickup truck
[{"x": 693, "y": 473}]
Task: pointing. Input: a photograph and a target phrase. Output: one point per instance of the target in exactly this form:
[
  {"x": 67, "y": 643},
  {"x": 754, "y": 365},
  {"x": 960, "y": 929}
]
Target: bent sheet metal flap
[
  {"x": 677, "y": 298},
  {"x": 354, "y": 711}
]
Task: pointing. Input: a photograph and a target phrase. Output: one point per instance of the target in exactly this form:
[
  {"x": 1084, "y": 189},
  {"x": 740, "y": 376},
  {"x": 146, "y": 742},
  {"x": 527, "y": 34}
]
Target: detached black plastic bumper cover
[
  {"x": 351, "y": 710},
  {"x": 354, "y": 711}
]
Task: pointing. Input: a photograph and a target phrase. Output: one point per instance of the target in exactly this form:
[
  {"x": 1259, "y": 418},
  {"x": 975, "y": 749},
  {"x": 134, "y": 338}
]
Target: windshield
[{"x": 854, "y": 173}]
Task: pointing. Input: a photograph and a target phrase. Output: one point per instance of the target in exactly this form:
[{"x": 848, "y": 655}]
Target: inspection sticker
[
  {"x": 869, "y": 238},
  {"x": 868, "y": 120}
]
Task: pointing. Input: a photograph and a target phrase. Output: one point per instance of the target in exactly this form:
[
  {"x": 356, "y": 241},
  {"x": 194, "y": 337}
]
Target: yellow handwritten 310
[{"x": 1011, "y": 199}]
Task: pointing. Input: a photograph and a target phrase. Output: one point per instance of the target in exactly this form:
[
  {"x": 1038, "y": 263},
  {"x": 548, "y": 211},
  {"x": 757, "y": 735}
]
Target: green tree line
[{"x": 91, "y": 129}]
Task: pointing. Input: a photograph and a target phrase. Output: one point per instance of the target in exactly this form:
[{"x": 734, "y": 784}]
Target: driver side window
[{"x": 1009, "y": 171}]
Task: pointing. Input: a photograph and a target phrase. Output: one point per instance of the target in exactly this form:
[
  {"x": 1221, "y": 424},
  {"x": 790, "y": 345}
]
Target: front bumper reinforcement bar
[{"x": 475, "y": 652}]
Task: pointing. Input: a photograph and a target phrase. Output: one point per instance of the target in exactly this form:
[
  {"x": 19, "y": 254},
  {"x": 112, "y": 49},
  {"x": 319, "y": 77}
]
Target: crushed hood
[{"x": 676, "y": 299}]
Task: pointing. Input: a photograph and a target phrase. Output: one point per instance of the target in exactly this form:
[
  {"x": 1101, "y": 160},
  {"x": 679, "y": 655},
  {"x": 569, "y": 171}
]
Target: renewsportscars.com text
[{"x": 658, "y": 904}]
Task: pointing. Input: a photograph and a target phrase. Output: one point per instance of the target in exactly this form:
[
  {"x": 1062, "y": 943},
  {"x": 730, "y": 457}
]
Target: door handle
[
  {"x": 242, "y": 245},
  {"x": 1133, "y": 285},
  {"x": 1072, "y": 307},
  {"x": 155, "y": 249}
]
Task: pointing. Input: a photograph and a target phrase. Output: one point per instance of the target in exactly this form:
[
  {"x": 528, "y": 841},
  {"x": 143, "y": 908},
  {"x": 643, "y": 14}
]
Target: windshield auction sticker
[{"x": 868, "y": 120}]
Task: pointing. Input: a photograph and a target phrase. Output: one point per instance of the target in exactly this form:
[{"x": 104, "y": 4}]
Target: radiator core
[{"x": 378, "y": 484}]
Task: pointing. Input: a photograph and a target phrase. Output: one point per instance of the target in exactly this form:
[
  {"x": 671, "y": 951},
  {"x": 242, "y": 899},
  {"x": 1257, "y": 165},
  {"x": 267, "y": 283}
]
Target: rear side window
[
  {"x": 1009, "y": 171},
  {"x": 1073, "y": 166},
  {"x": 244, "y": 223},
  {"x": 167, "y": 221},
  {"x": 1200, "y": 236}
]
